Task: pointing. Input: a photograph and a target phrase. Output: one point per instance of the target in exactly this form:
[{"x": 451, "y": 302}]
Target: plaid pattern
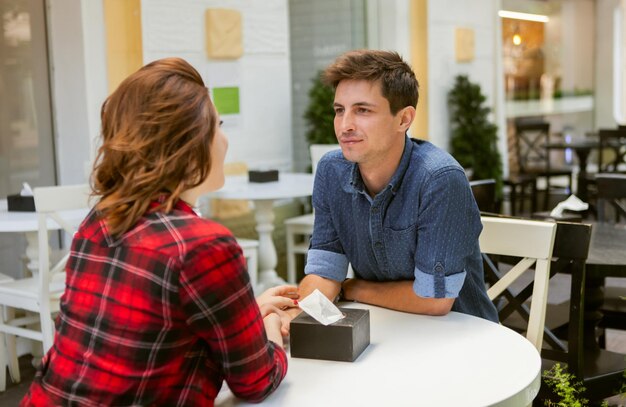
[{"x": 159, "y": 316}]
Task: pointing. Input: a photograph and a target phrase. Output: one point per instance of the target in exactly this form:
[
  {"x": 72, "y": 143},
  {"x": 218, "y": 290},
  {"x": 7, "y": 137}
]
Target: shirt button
[
  {"x": 378, "y": 244},
  {"x": 374, "y": 209},
  {"x": 439, "y": 268}
]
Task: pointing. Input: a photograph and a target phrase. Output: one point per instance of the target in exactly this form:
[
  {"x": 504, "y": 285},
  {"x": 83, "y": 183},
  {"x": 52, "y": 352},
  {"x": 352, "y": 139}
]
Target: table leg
[
  {"x": 583, "y": 155},
  {"x": 264, "y": 216},
  {"x": 32, "y": 253}
]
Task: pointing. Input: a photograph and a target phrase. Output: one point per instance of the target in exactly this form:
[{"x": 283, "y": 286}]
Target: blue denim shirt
[{"x": 423, "y": 226}]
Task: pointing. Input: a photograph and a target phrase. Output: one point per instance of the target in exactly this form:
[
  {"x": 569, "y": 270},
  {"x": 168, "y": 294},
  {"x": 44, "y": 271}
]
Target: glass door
[{"x": 26, "y": 142}]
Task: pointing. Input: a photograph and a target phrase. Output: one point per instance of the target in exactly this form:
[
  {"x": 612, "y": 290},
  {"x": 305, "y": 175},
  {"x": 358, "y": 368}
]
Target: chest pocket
[{"x": 400, "y": 246}]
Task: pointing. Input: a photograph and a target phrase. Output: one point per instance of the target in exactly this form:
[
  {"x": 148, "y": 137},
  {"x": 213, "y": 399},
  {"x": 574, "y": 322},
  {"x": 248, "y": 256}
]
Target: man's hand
[{"x": 329, "y": 288}]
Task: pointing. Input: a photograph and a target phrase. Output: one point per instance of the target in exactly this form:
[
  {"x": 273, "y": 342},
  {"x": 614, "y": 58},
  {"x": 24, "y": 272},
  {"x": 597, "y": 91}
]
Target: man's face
[{"x": 365, "y": 128}]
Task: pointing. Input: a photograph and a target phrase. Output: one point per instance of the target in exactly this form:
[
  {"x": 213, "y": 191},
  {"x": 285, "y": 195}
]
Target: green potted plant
[
  {"x": 474, "y": 138},
  {"x": 320, "y": 116}
]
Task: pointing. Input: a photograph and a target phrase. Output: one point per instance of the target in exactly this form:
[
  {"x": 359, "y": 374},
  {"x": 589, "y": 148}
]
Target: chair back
[
  {"x": 317, "y": 151},
  {"x": 484, "y": 191},
  {"x": 612, "y": 154},
  {"x": 571, "y": 248},
  {"x": 530, "y": 140},
  {"x": 58, "y": 205},
  {"x": 611, "y": 193},
  {"x": 533, "y": 241}
]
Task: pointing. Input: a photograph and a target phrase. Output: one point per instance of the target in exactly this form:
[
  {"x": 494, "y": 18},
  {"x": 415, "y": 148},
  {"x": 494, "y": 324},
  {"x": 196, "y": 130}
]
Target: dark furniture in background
[
  {"x": 611, "y": 190},
  {"x": 612, "y": 140},
  {"x": 522, "y": 187},
  {"x": 484, "y": 192},
  {"x": 582, "y": 148},
  {"x": 533, "y": 157},
  {"x": 574, "y": 344},
  {"x": 600, "y": 371}
]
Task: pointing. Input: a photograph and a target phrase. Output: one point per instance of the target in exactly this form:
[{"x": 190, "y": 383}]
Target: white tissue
[
  {"x": 26, "y": 190},
  {"x": 321, "y": 308},
  {"x": 573, "y": 203}
]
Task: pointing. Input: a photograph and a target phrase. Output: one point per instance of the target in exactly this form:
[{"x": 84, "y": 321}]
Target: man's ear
[{"x": 407, "y": 115}]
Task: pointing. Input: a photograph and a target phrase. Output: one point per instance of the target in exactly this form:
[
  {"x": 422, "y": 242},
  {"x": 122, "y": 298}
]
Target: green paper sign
[{"x": 226, "y": 100}]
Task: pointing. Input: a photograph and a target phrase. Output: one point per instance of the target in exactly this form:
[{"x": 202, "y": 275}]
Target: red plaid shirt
[{"x": 159, "y": 316}]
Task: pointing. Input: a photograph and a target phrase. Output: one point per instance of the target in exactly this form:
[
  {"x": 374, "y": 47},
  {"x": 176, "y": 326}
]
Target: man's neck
[{"x": 376, "y": 175}]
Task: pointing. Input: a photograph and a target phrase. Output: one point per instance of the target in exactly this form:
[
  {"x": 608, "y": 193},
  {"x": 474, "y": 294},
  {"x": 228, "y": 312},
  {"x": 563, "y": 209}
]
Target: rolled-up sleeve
[{"x": 449, "y": 226}]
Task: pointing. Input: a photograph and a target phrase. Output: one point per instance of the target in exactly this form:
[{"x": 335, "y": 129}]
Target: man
[{"x": 399, "y": 210}]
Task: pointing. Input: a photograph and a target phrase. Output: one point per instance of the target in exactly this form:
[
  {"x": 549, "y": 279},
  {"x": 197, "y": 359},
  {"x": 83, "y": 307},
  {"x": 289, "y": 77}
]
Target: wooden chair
[
  {"x": 611, "y": 193},
  {"x": 533, "y": 242},
  {"x": 612, "y": 154},
  {"x": 534, "y": 158},
  {"x": 302, "y": 226},
  {"x": 40, "y": 293},
  {"x": 600, "y": 371},
  {"x": 522, "y": 187},
  {"x": 8, "y": 348},
  {"x": 484, "y": 192}
]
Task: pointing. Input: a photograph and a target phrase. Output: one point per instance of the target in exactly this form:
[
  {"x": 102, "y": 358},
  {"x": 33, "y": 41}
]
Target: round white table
[
  {"x": 28, "y": 224},
  {"x": 416, "y": 360},
  {"x": 263, "y": 195}
]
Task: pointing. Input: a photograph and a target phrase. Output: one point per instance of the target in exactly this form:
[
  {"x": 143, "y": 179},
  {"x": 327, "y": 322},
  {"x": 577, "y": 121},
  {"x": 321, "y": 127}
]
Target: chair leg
[
  {"x": 546, "y": 195},
  {"x": 512, "y": 198},
  {"x": 11, "y": 348},
  {"x": 3, "y": 363},
  {"x": 47, "y": 328},
  {"x": 533, "y": 196}
]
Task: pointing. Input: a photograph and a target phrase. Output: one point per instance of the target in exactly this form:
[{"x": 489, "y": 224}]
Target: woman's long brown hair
[{"x": 157, "y": 129}]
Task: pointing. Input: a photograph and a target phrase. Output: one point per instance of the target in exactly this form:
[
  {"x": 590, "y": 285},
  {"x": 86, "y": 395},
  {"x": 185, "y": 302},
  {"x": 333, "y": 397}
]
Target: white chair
[
  {"x": 533, "y": 241},
  {"x": 39, "y": 294},
  {"x": 250, "y": 248},
  {"x": 302, "y": 225},
  {"x": 8, "y": 348}
]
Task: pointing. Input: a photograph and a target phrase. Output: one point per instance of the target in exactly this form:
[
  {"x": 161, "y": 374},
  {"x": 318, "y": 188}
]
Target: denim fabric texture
[{"x": 423, "y": 226}]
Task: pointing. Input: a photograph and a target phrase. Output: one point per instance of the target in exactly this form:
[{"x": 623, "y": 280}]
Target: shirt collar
[
  {"x": 179, "y": 205},
  {"x": 398, "y": 175}
]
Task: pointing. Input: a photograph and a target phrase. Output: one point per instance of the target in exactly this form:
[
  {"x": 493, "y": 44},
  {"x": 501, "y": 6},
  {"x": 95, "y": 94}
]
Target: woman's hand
[
  {"x": 281, "y": 297},
  {"x": 277, "y": 318}
]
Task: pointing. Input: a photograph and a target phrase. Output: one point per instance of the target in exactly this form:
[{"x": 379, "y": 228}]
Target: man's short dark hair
[{"x": 398, "y": 83}]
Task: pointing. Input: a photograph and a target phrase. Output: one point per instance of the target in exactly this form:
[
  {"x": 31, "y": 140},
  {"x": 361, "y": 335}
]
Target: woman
[{"x": 158, "y": 308}]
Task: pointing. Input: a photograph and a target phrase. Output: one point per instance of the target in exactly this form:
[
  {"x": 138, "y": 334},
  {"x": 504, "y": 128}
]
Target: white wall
[
  {"x": 78, "y": 81},
  {"x": 603, "y": 65},
  {"x": 444, "y": 16},
  {"x": 261, "y": 134}
]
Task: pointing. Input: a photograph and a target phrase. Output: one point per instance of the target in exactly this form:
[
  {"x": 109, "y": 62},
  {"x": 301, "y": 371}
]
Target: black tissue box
[
  {"x": 19, "y": 203},
  {"x": 263, "y": 176},
  {"x": 342, "y": 341}
]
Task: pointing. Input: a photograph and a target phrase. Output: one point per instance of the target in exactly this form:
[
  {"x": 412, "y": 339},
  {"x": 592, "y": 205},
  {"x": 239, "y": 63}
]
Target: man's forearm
[{"x": 396, "y": 295}]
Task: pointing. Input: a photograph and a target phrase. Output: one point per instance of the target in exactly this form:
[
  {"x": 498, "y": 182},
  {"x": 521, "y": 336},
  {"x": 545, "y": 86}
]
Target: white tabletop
[
  {"x": 289, "y": 185},
  {"x": 27, "y": 221},
  {"x": 455, "y": 360}
]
